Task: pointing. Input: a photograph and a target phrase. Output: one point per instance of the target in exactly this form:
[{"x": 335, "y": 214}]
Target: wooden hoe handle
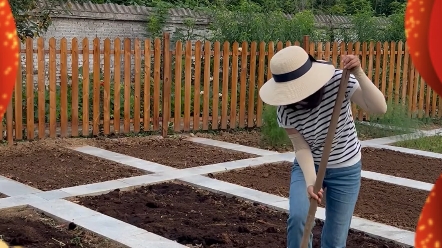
[{"x": 324, "y": 159}]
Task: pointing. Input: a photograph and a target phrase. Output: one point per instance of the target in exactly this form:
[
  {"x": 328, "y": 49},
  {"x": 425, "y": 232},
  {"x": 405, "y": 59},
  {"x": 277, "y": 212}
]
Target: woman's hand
[
  {"x": 311, "y": 194},
  {"x": 351, "y": 61}
]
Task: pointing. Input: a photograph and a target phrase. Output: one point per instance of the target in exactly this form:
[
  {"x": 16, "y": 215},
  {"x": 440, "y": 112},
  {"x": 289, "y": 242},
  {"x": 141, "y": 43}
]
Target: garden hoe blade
[{"x": 324, "y": 159}]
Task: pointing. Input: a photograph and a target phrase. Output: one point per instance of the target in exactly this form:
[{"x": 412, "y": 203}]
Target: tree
[{"x": 33, "y": 17}]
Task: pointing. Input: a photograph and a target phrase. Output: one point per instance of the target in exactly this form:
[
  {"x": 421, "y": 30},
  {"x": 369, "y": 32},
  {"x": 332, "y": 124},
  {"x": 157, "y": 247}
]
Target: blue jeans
[{"x": 342, "y": 189}]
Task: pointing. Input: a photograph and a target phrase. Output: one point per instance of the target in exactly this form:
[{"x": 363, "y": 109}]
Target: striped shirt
[{"x": 313, "y": 125}]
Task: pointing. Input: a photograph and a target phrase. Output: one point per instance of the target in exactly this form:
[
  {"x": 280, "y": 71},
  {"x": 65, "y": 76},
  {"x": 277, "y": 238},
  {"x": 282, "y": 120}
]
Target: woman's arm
[
  {"x": 303, "y": 156},
  {"x": 367, "y": 95}
]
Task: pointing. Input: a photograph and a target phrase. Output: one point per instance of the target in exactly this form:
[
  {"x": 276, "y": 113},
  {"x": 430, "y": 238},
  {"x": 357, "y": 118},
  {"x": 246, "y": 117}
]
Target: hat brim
[{"x": 294, "y": 91}]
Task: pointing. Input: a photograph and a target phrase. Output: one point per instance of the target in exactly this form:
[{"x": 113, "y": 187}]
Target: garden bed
[
  {"x": 175, "y": 152},
  {"x": 400, "y": 164},
  {"x": 31, "y": 229},
  {"x": 49, "y": 166},
  {"x": 253, "y": 138},
  {"x": 430, "y": 144},
  {"x": 197, "y": 217},
  {"x": 378, "y": 201}
]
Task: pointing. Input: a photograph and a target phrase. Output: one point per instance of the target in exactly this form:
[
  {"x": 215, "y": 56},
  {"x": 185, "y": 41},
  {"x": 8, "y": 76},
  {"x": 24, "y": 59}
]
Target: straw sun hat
[{"x": 296, "y": 75}]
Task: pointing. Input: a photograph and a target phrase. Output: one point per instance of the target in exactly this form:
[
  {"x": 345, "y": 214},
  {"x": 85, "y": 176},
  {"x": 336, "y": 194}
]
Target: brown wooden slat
[
  {"x": 137, "y": 86},
  {"x": 52, "y": 89},
  {"x": 225, "y": 84},
  {"x": 197, "y": 86},
  {"x": 261, "y": 70},
  {"x": 106, "y": 87},
  {"x": 147, "y": 82},
  {"x": 178, "y": 77},
  {"x": 243, "y": 87},
  {"x": 215, "y": 100},
  {"x": 127, "y": 84},
  {"x": 206, "y": 99},
  {"x": 234, "y": 86},
  {"x": 63, "y": 88},
  {"x": 117, "y": 84},
  {"x": 29, "y": 89},
  {"x": 156, "y": 84},
  {"x": 74, "y": 85},
  {"x": 187, "y": 85},
  {"x": 252, "y": 75},
  {"x": 85, "y": 81}
]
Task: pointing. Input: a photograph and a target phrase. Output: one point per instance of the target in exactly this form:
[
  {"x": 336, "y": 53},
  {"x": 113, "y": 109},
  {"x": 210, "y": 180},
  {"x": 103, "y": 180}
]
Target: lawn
[{"x": 431, "y": 143}]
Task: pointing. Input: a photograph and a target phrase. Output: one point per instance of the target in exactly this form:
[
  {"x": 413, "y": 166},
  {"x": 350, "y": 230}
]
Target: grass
[{"x": 430, "y": 144}]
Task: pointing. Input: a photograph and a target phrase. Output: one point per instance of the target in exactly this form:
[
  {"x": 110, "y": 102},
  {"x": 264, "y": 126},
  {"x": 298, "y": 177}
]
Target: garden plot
[
  {"x": 50, "y": 166},
  {"x": 399, "y": 164},
  {"x": 253, "y": 138},
  {"x": 22, "y": 226},
  {"x": 200, "y": 218},
  {"x": 378, "y": 201},
  {"x": 174, "y": 152}
]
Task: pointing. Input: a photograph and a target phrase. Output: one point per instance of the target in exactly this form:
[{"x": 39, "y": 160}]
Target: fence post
[
  {"x": 167, "y": 84},
  {"x": 306, "y": 43}
]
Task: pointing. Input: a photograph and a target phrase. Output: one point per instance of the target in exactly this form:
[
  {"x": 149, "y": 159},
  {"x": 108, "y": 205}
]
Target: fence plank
[
  {"x": 197, "y": 87},
  {"x": 107, "y": 89},
  {"x": 270, "y": 54},
  {"x": 384, "y": 68},
  {"x": 63, "y": 88},
  {"x": 433, "y": 104},
  {"x": 234, "y": 90},
  {"x": 167, "y": 83},
  {"x": 391, "y": 71},
  {"x": 206, "y": 101},
  {"x": 416, "y": 90},
  {"x": 137, "y": 82},
  {"x": 427, "y": 107},
  {"x": 343, "y": 51},
  {"x": 9, "y": 124},
  {"x": 320, "y": 52},
  {"x": 335, "y": 54},
  {"x": 156, "y": 84},
  {"x": 29, "y": 89},
  {"x": 52, "y": 89},
  {"x": 74, "y": 87},
  {"x": 261, "y": 70},
  {"x": 41, "y": 89},
  {"x": 215, "y": 101},
  {"x": 243, "y": 87},
  {"x": 378, "y": 65},
  {"x": 178, "y": 76},
  {"x": 85, "y": 81},
  {"x": 279, "y": 46},
  {"x": 225, "y": 85},
  {"x": 311, "y": 50},
  {"x": 187, "y": 85},
  {"x": 117, "y": 84},
  {"x": 252, "y": 75},
  {"x": 127, "y": 84},
  {"x": 18, "y": 108},
  {"x": 405, "y": 75},
  {"x": 96, "y": 87},
  {"x": 398, "y": 73},
  {"x": 147, "y": 82},
  {"x": 410, "y": 89},
  {"x": 327, "y": 51}
]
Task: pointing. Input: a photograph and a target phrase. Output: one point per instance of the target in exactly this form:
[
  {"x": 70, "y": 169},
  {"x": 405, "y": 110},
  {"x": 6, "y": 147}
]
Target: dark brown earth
[
  {"x": 253, "y": 138},
  {"x": 400, "y": 164},
  {"x": 196, "y": 217},
  {"x": 378, "y": 201},
  {"x": 30, "y": 229},
  {"x": 174, "y": 152},
  {"x": 49, "y": 167}
]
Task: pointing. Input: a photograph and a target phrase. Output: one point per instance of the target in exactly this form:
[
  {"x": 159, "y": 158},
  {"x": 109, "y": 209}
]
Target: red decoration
[
  {"x": 423, "y": 28},
  {"x": 429, "y": 227},
  {"x": 9, "y": 59},
  {"x": 435, "y": 38}
]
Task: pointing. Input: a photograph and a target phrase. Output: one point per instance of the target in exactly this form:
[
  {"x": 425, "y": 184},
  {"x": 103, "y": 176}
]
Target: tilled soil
[
  {"x": 49, "y": 167},
  {"x": 205, "y": 219},
  {"x": 253, "y": 138},
  {"x": 400, "y": 164},
  {"x": 378, "y": 201},
  {"x": 30, "y": 229},
  {"x": 174, "y": 152}
]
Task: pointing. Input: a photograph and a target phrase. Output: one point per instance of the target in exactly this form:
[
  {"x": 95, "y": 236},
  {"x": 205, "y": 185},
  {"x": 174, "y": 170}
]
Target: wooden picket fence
[{"x": 129, "y": 85}]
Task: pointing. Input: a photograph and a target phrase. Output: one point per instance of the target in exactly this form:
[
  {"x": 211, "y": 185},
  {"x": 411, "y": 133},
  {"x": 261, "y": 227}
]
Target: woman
[{"x": 305, "y": 92}]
